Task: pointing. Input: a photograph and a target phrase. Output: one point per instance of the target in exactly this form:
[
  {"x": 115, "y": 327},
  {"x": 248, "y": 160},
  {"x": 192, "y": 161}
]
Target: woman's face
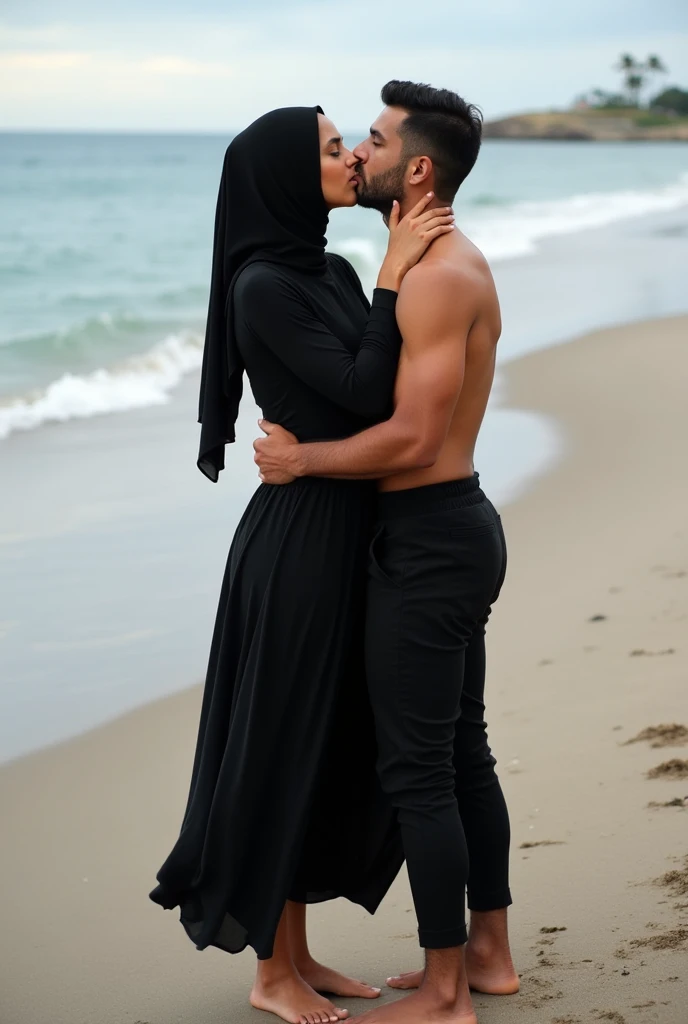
[{"x": 336, "y": 167}]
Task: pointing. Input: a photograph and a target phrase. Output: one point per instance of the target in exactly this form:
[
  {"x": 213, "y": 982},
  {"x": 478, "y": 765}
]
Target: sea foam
[
  {"x": 509, "y": 230},
  {"x": 140, "y": 381},
  {"x": 502, "y": 232}
]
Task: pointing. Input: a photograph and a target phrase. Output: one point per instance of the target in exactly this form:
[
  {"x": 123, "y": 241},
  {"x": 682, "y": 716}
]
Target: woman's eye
[{"x": 336, "y": 153}]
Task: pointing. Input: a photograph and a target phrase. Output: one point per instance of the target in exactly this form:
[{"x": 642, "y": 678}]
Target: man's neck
[{"x": 413, "y": 197}]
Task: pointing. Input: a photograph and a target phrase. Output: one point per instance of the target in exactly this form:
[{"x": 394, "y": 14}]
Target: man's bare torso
[{"x": 455, "y": 459}]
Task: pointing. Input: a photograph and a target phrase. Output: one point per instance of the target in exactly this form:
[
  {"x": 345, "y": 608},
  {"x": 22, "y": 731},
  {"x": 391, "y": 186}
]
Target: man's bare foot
[
  {"x": 421, "y": 1008},
  {"x": 488, "y": 970},
  {"x": 409, "y": 980},
  {"x": 489, "y": 966},
  {"x": 324, "y": 979},
  {"x": 292, "y": 999}
]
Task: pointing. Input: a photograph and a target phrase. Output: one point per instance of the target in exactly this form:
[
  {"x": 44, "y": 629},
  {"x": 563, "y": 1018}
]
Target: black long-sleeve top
[{"x": 320, "y": 358}]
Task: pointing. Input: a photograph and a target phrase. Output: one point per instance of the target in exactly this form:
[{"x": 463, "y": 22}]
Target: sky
[{"x": 210, "y": 66}]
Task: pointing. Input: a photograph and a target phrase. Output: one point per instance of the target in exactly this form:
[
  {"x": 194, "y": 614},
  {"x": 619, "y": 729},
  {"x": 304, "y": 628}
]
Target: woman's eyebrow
[{"x": 334, "y": 141}]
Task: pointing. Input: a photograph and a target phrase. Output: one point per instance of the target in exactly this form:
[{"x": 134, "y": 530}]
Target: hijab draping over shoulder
[{"x": 270, "y": 208}]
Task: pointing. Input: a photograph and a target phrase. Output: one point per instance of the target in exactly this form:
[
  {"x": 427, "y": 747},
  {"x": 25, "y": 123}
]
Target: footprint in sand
[
  {"x": 676, "y": 938},
  {"x": 676, "y": 768},
  {"x": 640, "y": 652},
  {"x": 675, "y": 881},
  {"x": 672, "y": 734},
  {"x": 542, "y": 842}
]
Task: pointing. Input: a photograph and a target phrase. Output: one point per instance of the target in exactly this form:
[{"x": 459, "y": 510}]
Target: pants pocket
[{"x": 378, "y": 565}]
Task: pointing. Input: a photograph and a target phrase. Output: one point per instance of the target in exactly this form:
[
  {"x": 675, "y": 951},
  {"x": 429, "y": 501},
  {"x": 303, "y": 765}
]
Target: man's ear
[{"x": 420, "y": 170}]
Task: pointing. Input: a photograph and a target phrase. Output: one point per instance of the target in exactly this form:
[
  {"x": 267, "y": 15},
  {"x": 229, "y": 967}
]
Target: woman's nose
[{"x": 351, "y": 159}]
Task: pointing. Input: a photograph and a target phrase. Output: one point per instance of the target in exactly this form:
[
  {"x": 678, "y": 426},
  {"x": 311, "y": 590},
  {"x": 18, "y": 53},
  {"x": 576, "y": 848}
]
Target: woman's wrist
[{"x": 390, "y": 276}]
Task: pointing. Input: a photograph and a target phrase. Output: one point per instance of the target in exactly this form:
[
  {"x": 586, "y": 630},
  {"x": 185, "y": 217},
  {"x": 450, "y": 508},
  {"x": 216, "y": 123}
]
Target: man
[{"x": 437, "y": 563}]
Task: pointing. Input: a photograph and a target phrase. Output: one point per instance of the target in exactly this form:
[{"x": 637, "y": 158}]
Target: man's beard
[{"x": 377, "y": 193}]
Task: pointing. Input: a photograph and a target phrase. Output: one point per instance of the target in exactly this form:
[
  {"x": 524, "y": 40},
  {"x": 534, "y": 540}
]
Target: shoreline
[{"x": 585, "y": 651}]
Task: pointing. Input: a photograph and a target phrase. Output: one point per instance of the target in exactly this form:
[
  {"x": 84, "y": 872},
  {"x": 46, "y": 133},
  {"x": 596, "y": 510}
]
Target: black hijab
[{"x": 270, "y": 208}]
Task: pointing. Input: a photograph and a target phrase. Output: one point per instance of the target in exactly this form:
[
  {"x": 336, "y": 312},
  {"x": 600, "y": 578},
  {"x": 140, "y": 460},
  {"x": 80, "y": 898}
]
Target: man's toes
[
  {"x": 341, "y": 1014},
  {"x": 404, "y": 981}
]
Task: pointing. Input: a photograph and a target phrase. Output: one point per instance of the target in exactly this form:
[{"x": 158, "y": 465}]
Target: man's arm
[{"x": 435, "y": 314}]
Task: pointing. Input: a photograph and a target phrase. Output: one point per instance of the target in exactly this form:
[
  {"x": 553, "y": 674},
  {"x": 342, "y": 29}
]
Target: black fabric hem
[
  {"x": 384, "y": 298},
  {"x": 493, "y": 901},
  {"x": 445, "y": 939}
]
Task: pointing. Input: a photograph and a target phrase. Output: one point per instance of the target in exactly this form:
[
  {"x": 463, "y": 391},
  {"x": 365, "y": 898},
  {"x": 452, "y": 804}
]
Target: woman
[{"x": 279, "y": 813}]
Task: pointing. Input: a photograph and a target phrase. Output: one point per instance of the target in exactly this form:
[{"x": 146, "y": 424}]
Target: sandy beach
[{"x": 587, "y": 649}]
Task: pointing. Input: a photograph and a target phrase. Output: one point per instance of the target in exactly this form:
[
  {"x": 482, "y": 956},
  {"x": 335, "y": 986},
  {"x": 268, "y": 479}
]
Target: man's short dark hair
[{"x": 441, "y": 125}]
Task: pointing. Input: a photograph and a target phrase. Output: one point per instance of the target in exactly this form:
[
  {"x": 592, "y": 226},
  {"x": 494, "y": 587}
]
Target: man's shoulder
[
  {"x": 438, "y": 282},
  {"x": 468, "y": 266}
]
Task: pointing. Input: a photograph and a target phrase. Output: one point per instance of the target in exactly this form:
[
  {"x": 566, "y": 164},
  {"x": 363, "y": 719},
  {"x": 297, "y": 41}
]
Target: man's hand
[{"x": 275, "y": 454}]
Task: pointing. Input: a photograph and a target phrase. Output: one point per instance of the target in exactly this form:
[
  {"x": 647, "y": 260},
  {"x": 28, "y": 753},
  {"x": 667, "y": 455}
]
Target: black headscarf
[{"x": 270, "y": 208}]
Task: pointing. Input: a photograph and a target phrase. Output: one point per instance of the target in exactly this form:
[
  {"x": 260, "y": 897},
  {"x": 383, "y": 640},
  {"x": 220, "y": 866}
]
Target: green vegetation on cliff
[{"x": 604, "y": 116}]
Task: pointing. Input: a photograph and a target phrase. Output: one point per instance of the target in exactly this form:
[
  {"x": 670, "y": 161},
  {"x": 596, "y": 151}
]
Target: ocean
[
  {"x": 112, "y": 545},
  {"x": 106, "y": 242}
]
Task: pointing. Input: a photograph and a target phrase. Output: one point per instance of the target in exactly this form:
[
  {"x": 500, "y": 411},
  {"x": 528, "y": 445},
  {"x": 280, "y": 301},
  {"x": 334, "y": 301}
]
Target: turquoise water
[{"x": 106, "y": 242}]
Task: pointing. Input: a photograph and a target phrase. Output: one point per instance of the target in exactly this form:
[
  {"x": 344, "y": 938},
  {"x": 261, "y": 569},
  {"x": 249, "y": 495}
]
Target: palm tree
[
  {"x": 634, "y": 84},
  {"x": 654, "y": 65},
  {"x": 633, "y": 76}
]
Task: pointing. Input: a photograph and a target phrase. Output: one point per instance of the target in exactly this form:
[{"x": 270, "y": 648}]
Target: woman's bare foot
[
  {"x": 292, "y": 999},
  {"x": 324, "y": 979}
]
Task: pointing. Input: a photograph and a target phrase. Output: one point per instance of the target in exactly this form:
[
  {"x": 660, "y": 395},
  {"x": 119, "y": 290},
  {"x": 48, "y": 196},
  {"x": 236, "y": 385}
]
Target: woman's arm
[{"x": 274, "y": 311}]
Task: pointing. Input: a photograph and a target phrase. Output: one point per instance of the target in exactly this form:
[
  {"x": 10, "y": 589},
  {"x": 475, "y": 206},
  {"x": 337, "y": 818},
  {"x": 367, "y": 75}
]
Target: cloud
[
  {"x": 53, "y": 61},
  {"x": 181, "y": 66},
  {"x": 69, "y": 64}
]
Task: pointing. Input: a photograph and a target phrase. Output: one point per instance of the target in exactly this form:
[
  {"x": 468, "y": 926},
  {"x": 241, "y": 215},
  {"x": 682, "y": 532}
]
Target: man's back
[{"x": 451, "y": 291}]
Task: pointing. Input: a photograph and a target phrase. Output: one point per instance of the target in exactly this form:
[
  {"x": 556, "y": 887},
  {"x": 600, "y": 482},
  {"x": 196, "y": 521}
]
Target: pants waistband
[{"x": 431, "y": 498}]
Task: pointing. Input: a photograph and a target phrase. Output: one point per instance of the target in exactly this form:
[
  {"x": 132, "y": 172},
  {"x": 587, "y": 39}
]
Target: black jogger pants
[{"x": 437, "y": 564}]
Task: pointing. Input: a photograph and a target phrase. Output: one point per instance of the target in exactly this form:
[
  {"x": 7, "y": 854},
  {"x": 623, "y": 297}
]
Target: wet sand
[{"x": 587, "y": 650}]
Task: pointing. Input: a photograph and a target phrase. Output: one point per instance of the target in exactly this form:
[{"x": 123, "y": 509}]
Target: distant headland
[{"x": 599, "y": 116}]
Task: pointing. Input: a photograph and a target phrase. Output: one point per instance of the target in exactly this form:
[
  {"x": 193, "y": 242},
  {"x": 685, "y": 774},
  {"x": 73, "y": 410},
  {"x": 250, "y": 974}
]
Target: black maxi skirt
[{"x": 284, "y": 800}]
